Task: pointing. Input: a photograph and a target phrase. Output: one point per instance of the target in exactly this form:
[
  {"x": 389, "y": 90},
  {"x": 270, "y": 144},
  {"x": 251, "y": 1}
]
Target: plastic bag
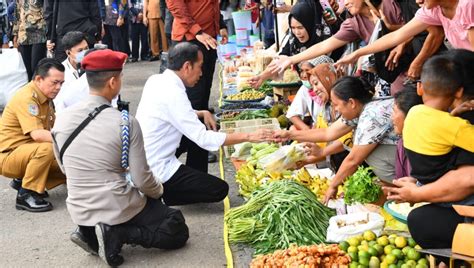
[
  {"x": 13, "y": 77},
  {"x": 284, "y": 158},
  {"x": 342, "y": 227}
]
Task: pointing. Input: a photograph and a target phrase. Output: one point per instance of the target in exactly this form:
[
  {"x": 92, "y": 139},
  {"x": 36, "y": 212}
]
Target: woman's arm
[
  {"x": 335, "y": 131},
  {"x": 452, "y": 186},
  {"x": 432, "y": 43},
  {"x": 314, "y": 51},
  {"x": 350, "y": 164},
  {"x": 298, "y": 123},
  {"x": 390, "y": 40}
]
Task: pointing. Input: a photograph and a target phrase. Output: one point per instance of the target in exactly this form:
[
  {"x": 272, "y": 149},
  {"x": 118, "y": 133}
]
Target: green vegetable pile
[
  {"x": 362, "y": 187},
  {"x": 277, "y": 215},
  {"x": 244, "y": 115}
]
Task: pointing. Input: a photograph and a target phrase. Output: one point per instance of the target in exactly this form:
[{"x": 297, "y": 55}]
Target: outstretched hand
[{"x": 279, "y": 64}]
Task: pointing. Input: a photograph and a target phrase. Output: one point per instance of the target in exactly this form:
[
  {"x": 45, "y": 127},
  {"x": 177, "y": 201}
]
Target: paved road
[{"x": 42, "y": 240}]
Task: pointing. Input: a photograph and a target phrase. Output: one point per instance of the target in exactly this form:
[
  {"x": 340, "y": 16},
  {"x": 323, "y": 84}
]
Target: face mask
[
  {"x": 306, "y": 83},
  {"x": 80, "y": 56}
]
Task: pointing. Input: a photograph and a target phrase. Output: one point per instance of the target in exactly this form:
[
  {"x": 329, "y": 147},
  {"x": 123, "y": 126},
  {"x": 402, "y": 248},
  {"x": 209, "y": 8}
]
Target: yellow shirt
[
  {"x": 28, "y": 110},
  {"x": 433, "y": 132}
]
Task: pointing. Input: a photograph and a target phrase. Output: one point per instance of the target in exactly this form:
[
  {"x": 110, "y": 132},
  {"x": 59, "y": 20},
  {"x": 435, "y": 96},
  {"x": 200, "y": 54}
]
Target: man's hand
[
  {"x": 207, "y": 40},
  {"x": 209, "y": 120},
  {"x": 102, "y": 32},
  {"x": 140, "y": 17},
  {"x": 255, "y": 81},
  {"x": 145, "y": 20},
  {"x": 120, "y": 21},
  {"x": 312, "y": 149},
  {"x": 225, "y": 36},
  {"x": 261, "y": 135},
  {"x": 49, "y": 45},
  {"x": 280, "y": 64},
  {"x": 405, "y": 191},
  {"x": 464, "y": 107},
  {"x": 281, "y": 135},
  {"x": 394, "y": 57}
]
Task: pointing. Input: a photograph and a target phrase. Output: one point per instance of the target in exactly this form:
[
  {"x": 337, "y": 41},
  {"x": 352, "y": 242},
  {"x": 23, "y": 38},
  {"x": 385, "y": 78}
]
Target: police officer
[
  {"x": 120, "y": 200},
  {"x": 25, "y": 138}
]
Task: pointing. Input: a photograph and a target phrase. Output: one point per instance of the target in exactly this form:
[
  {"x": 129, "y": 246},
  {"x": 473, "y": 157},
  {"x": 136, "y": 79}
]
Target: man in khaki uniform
[
  {"x": 109, "y": 187},
  {"x": 153, "y": 18},
  {"x": 26, "y": 150}
]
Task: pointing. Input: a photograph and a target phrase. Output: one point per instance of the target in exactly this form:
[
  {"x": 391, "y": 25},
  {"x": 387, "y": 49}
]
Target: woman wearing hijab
[{"x": 304, "y": 33}]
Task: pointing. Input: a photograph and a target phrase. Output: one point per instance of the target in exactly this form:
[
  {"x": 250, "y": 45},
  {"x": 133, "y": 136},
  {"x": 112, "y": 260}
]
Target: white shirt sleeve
[
  {"x": 184, "y": 118},
  {"x": 299, "y": 105}
]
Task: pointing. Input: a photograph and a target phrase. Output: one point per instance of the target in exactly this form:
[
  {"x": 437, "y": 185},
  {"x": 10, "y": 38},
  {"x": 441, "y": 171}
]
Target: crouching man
[{"x": 110, "y": 186}]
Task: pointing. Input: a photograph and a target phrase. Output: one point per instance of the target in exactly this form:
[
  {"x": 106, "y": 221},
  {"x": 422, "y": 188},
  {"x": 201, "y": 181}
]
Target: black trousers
[
  {"x": 31, "y": 55},
  {"x": 197, "y": 156},
  {"x": 139, "y": 35},
  {"x": 433, "y": 226},
  {"x": 200, "y": 93},
  {"x": 189, "y": 186},
  {"x": 156, "y": 226},
  {"x": 114, "y": 38}
]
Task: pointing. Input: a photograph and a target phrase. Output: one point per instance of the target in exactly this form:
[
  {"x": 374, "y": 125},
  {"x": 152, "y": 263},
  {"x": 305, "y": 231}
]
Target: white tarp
[{"x": 12, "y": 74}]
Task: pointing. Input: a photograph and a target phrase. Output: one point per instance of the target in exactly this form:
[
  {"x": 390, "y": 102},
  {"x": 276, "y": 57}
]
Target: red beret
[{"x": 104, "y": 60}]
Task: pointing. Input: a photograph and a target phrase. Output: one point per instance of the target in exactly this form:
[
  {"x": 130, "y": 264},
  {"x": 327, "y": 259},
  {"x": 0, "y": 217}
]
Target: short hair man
[
  {"x": 165, "y": 115},
  {"x": 75, "y": 45},
  {"x": 25, "y": 139},
  {"x": 122, "y": 202}
]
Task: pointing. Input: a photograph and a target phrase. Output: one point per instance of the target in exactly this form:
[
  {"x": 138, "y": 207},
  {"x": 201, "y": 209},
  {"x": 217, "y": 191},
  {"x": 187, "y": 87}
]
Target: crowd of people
[{"x": 406, "y": 110}]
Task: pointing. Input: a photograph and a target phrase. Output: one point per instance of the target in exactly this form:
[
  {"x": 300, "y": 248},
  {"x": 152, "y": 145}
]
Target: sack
[
  {"x": 380, "y": 58},
  {"x": 355, "y": 224},
  {"x": 12, "y": 78}
]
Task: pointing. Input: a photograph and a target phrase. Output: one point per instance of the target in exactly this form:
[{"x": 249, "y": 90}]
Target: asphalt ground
[{"x": 42, "y": 239}]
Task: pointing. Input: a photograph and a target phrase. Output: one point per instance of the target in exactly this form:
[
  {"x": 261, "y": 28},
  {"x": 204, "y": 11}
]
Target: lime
[
  {"x": 397, "y": 253},
  {"x": 363, "y": 255},
  {"x": 411, "y": 242},
  {"x": 400, "y": 242},
  {"x": 374, "y": 262},
  {"x": 399, "y": 263},
  {"x": 392, "y": 266},
  {"x": 417, "y": 247},
  {"x": 353, "y": 241},
  {"x": 352, "y": 249},
  {"x": 384, "y": 265},
  {"x": 411, "y": 263},
  {"x": 387, "y": 249},
  {"x": 413, "y": 254},
  {"x": 390, "y": 259},
  {"x": 354, "y": 264},
  {"x": 364, "y": 261},
  {"x": 363, "y": 248},
  {"x": 383, "y": 240},
  {"x": 369, "y": 235},
  {"x": 373, "y": 252},
  {"x": 405, "y": 250},
  {"x": 423, "y": 261},
  {"x": 404, "y": 266},
  {"x": 420, "y": 266},
  {"x": 372, "y": 243},
  {"x": 354, "y": 256},
  {"x": 379, "y": 248},
  {"x": 362, "y": 266},
  {"x": 364, "y": 242},
  {"x": 344, "y": 246}
]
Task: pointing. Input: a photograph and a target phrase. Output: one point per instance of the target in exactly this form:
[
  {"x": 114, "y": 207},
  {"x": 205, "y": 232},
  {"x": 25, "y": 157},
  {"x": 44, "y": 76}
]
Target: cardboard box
[{"x": 464, "y": 235}]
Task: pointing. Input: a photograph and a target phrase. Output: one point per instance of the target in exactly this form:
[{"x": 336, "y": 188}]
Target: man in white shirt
[
  {"x": 165, "y": 115},
  {"x": 75, "y": 87}
]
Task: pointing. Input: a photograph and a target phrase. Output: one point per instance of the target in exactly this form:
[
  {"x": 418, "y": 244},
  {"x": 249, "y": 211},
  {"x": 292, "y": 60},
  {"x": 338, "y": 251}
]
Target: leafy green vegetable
[
  {"x": 362, "y": 187},
  {"x": 266, "y": 88}
]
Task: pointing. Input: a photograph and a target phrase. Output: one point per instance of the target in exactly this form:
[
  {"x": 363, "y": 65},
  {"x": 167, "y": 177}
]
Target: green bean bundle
[{"x": 277, "y": 215}]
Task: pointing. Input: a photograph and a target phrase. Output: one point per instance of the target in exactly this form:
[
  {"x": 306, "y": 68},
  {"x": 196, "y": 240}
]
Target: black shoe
[
  {"x": 110, "y": 244},
  {"x": 133, "y": 60},
  {"x": 16, "y": 185},
  {"x": 32, "y": 202},
  {"x": 89, "y": 244},
  {"x": 146, "y": 58},
  {"x": 211, "y": 158},
  {"x": 154, "y": 58}
]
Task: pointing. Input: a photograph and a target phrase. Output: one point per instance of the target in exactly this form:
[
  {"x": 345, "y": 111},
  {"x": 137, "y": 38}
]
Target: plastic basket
[
  {"x": 246, "y": 126},
  {"x": 232, "y": 38},
  {"x": 253, "y": 39},
  {"x": 241, "y": 33},
  {"x": 242, "y": 19}
]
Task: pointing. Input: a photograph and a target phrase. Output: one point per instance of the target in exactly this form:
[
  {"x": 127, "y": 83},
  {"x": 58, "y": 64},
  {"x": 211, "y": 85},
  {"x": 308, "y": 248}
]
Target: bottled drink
[{"x": 327, "y": 7}]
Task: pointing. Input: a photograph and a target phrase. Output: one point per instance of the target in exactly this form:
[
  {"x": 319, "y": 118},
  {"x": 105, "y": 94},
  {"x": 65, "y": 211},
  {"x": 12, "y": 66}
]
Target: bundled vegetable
[
  {"x": 246, "y": 95},
  {"x": 362, "y": 187},
  {"x": 304, "y": 256},
  {"x": 243, "y": 115},
  {"x": 260, "y": 150},
  {"x": 278, "y": 214},
  {"x": 284, "y": 158}
]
